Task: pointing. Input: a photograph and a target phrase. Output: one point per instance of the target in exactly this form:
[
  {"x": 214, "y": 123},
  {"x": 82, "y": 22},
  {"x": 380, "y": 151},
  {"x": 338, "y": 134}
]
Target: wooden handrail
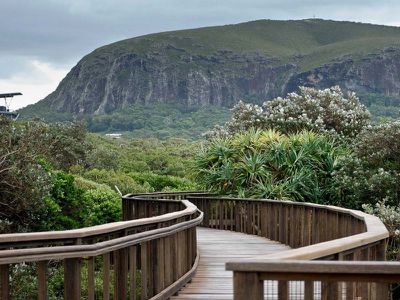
[
  {"x": 334, "y": 279},
  {"x": 375, "y": 269},
  {"x": 316, "y": 231},
  {"x": 158, "y": 237},
  {"x": 98, "y": 229},
  {"x": 161, "y": 244}
]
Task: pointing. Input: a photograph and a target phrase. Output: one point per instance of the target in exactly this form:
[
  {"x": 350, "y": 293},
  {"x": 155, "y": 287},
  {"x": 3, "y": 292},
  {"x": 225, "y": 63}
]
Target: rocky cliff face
[
  {"x": 195, "y": 81},
  {"x": 374, "y": 73},
  {"x": 114, "y": 77}
]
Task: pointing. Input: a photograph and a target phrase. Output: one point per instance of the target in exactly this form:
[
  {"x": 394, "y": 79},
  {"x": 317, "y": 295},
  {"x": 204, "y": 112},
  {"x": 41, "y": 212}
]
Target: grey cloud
[{"x": 61, "y": 31}]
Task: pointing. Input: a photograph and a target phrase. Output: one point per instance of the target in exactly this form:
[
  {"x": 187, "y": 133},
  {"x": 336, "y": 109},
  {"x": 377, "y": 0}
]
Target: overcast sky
[{"x": 41, "y": 40}]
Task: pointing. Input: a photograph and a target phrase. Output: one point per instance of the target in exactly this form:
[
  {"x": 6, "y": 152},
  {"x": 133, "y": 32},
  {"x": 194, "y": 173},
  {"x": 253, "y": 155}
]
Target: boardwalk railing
[
  {"x": 316, "y": 232},
  {"x": 159, "y": 248},
  {"x": 152, "y": 253}
]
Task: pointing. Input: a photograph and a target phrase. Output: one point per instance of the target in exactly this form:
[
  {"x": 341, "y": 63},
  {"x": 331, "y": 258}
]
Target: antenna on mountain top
[
  {"x": 314, "y": 17},
  {"x": 5, "y": 109}
]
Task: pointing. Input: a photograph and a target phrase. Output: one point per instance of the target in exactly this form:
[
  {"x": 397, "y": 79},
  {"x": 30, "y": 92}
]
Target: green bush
[
  {"x": 267, "y": 164},
  {"x": 162, "y": 182},
  {"x": 372, "y": 172},
  {"x": 105, "y": 206},
  {"x": 78, "y": 202},
  {"x": 125, "y": 183},
  {"x": 65, "y": 208}
]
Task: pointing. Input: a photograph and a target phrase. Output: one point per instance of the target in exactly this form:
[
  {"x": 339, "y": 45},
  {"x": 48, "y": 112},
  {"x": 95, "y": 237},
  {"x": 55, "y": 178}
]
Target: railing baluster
[
  {"x": 159, "y": 276},
  {"x": 42, "y": 279},
  {"x": 144, "y": 269},
  {"x": 329, "y": 291},
  {"x": 120, "y": 274},
  {"x": 72, "y": 278},
  {"x": 309, "y": 289},
  {"x": 283, "y": 290},
  {"x": 5, "y": 282},
  {"x": 132, "y": 272},
  {"x": 169, "y": 260},
  {"x": 90, "y": 266},
  {"x": 106, "y": 276},
  {"x": 247, "y": 286}
]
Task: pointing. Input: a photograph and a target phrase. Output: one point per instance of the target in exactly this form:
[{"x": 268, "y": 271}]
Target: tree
[{"x": 324, "y": 111}]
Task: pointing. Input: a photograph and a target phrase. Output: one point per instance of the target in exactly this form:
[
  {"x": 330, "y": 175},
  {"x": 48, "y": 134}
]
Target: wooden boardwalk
[{"x": 217, "y": 247}]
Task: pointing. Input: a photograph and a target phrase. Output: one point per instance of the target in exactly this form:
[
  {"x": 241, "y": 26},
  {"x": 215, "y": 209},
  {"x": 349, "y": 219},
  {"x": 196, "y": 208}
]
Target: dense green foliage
[
  {"x": 372, "y": 172},
  {"x": 28, "y": 152},
  {"x": 360, "y": 171},
  {"x": 267, "y": 164},
  {"x": 73, "y": 178},
  {"x": 57, "y": 177},
  {"x": 161, "y": 121},
  {"x": 381, "y": 106}
]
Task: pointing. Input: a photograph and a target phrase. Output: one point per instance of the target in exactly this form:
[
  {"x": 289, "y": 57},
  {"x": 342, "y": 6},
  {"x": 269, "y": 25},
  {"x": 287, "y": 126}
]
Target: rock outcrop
[{"x": 182, "y": 67}]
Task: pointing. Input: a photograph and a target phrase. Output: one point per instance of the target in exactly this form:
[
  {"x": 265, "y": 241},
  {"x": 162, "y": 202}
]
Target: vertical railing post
[
  {"x": 5, "y": 282},
  {"x": 42, "y": 279},
  {"x": 247, "y": 285},
  {"x": 72, "y": 278},
  {"x": 132, "y": 272},
  {"x": 120, "y": 274},
  {"x": 90, "y": 279},
  {"x": 106, "y": 276}
]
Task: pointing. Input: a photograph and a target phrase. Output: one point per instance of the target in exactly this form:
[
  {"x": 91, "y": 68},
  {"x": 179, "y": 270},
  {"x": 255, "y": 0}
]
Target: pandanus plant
[{"x": 268, "y": 164}]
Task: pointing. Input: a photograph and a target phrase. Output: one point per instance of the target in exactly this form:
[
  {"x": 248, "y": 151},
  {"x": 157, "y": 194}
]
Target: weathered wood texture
[
  {"x": 216, "y": 247},
  {"x": 158, "y": 239},
  {"x": 317, "y": 232}
]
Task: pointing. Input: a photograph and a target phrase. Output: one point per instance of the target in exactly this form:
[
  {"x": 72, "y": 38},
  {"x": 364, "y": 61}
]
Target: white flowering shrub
[
  {"x": 372, "y": 172},
  {"x": 323, "y": 111},
  {"x": 245, "y": 116},
  {"x": 390, "y": 216}
]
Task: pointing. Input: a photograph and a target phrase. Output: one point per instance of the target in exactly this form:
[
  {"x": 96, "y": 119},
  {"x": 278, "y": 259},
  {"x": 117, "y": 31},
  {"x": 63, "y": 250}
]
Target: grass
[{"x": 318, "y": 41}]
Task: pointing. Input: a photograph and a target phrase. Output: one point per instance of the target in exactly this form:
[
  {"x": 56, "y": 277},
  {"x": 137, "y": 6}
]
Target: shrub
[
  {"x": 24, "y": 180},
  {"x": 267, "y": 164},
  {"x": 105, "y": 206},
  {"x": 390, "y": 216},
  {"x": 372, "y": 172},
  {"x": 64, "y": 206},
  {"x": 158, "y": 182},
  {"x": 324, "y": 111},
  {"x": 125, "y": 183}
]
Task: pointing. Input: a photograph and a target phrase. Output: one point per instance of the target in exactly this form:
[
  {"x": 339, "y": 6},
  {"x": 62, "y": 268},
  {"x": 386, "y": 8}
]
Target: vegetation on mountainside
[
  {"x": 160, "y": 121},
  {"x": 286, "y": 40}
]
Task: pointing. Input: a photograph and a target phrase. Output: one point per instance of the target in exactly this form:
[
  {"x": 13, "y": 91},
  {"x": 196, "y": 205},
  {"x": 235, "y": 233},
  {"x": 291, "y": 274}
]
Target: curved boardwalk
[{"x": 217, "y": 247}]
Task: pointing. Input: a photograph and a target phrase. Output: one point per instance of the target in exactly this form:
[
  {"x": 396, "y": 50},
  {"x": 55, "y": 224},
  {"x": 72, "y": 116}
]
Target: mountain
[{"x": 254, "y": 61}]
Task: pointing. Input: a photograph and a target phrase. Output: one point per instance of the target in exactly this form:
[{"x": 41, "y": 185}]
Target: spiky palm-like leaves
[{"x": 268, "y": 164}]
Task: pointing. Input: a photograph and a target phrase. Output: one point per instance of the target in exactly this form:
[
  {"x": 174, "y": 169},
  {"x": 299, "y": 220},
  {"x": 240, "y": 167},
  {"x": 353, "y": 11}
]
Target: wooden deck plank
[{"x": 216, "y": 247}]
